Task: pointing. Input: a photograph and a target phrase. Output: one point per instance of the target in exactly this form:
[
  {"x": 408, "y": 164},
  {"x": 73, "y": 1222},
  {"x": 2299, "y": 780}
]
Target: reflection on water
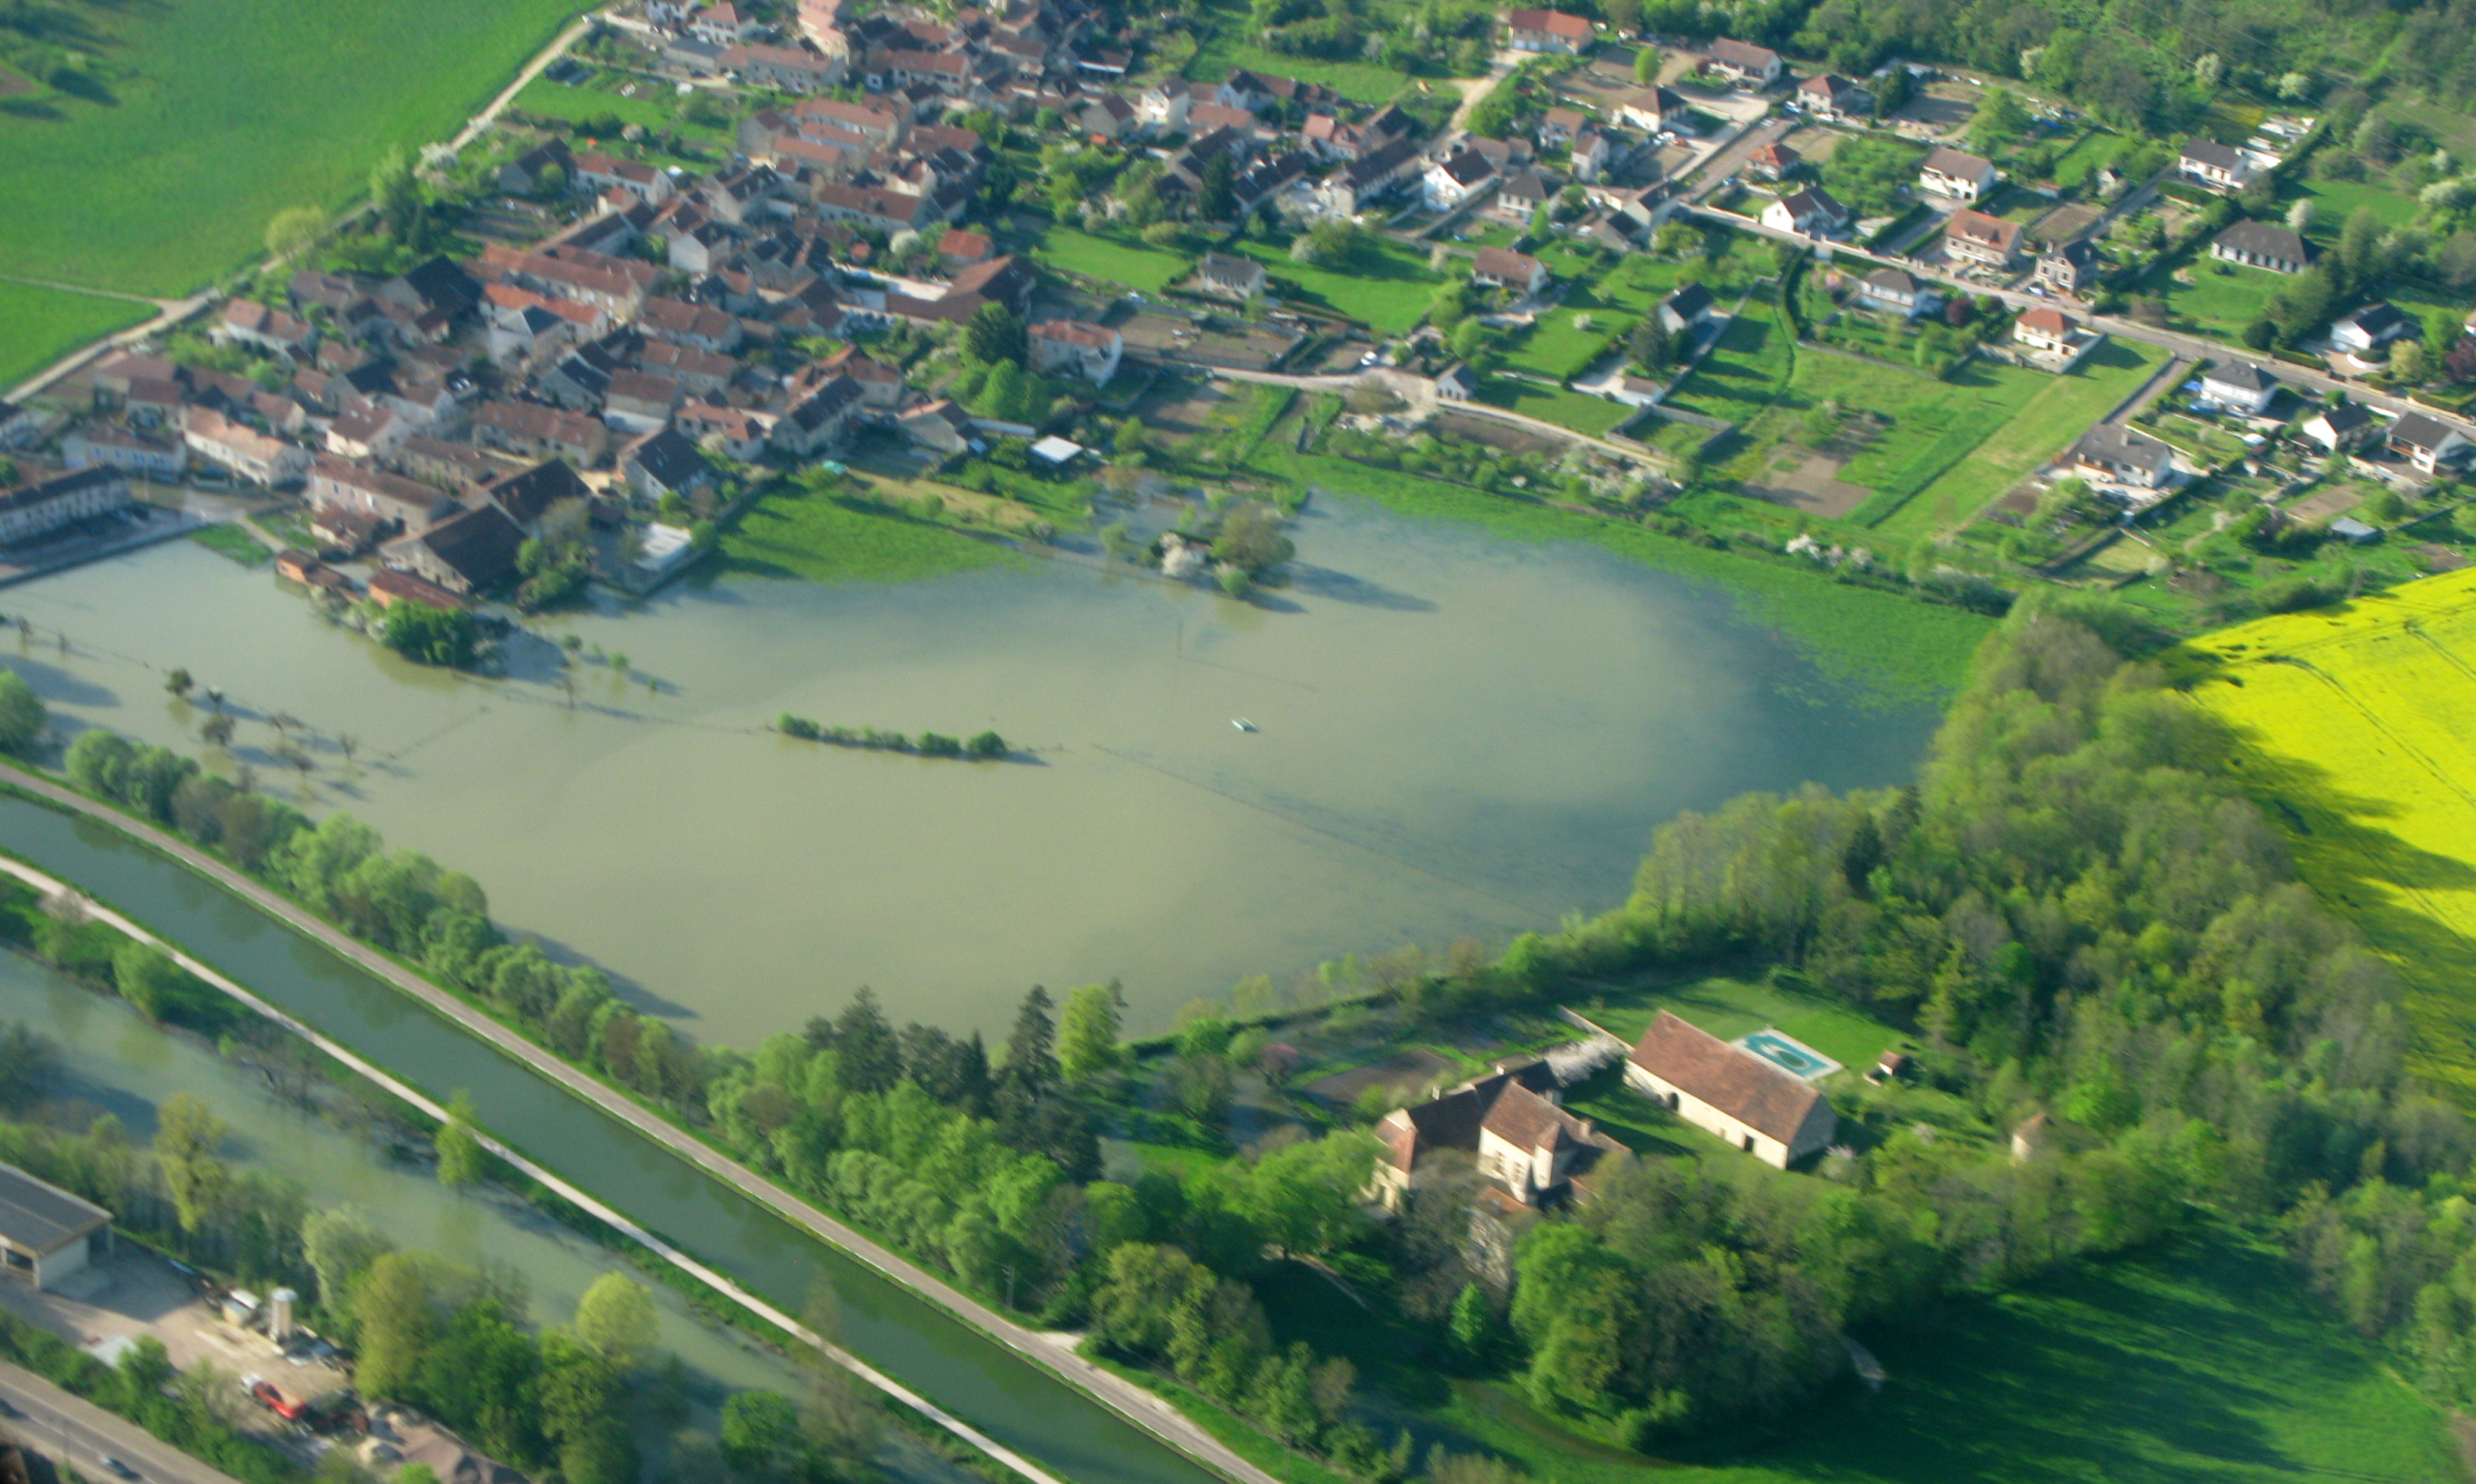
[
  {"x": 1458, "y": 735},
  {"x": 116, "y": 1062}
]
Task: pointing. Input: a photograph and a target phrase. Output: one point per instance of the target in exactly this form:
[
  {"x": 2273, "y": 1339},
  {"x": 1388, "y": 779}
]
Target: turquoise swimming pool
[{"x": 1793, "y": 1057}]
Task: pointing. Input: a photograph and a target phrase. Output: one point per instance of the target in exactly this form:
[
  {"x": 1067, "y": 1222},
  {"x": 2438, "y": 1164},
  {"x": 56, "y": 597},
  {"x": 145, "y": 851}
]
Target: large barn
[{"x": 1760, "y": 1109}]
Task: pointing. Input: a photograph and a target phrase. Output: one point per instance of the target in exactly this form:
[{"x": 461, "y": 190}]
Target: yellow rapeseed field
[{"x": 2362, "y": 721}]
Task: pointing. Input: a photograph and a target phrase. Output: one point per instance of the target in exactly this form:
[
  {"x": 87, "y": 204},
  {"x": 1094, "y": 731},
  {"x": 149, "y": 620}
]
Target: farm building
[
  {"x": 47, "y": 1234},
  {"x": 1746, "y": 1100}
]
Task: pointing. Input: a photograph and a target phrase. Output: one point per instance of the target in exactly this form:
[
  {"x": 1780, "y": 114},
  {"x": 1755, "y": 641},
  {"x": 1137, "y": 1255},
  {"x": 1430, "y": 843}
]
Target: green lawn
[
  {"x": 2216, "y": 303},
  {"x": 1737, "y": 381},
  {"x": 1118, "y": 259},
  {"x": 1729, "y": 1008},
  {"x": 1225, "y": 46},
  {"x": 2093, "y": 151},
  {"x": 793, "y": 533},
  {"x": 2335, "y": 201},
  {"x": 2058, "y": 412},
  {"x": 225, "y": 111},
  {"x": 37, "y": 326},
  {"x": 1387, "y": 286},
  {"x": 1578, "y": 410},
  {"x": 655, "y": 106},
  {"x": 1556, "y": 344},
  {"x": 2201, "y": 1361}
]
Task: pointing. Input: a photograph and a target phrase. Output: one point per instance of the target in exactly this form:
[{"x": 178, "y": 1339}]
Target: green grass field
[
  {"x": 794, "y": 534},
  {"x": 1135, "y": 264},
  {"x": 2201, "y": 1361},
  {"x": 1578, "y": 411},
  {"x": 2091, "y": 151},
  {"x": 1388, "y": 286},
  {"x": 658, "y": 110},
  {"x": 1225, "y": 46},
  {"x": 2218, "y": 304},
  {"x": 2055, "y": 414},
  {"x": 37, "y": 326},
  {"x": 225, "y": 111}
]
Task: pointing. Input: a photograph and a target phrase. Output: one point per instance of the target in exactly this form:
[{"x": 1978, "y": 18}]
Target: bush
[
  {"x": 429, "y": 636},
  {"x": 986, "y": 743}
]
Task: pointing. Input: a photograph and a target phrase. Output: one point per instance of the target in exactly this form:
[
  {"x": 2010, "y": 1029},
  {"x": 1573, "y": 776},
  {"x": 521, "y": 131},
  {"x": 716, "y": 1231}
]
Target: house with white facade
[{"x": 1748, "y": 1101}]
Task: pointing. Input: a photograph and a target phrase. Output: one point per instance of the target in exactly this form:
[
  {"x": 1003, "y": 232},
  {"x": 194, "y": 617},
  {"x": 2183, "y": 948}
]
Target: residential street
[{"x": 67, "y": 1429}]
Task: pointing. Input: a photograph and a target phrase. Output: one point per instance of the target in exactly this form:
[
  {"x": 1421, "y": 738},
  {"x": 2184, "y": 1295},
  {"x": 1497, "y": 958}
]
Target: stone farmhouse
[{"x": 1745, "y": 1101}]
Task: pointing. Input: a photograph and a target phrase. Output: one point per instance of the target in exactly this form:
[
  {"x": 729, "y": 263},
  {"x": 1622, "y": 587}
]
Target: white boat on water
[{"x": 1242, "y": 724}]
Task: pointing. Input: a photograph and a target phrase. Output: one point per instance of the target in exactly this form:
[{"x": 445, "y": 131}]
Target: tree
[
  {"x": 339, "y": 1245},
  {"x": 2000, "y": 118},
  {"x": 2455, "y": 259},
  {"x": 428, "y": 635},
  {"x": 179, "y": 683},
  {"x": 2362, "y": 261},
  {"x": 462, "y": 1159},
  {"x": 1649, "y": 346},
  {"x": 2299, "y": 216},
  {"x": 22, "y": 717},
  {"x": 871, "y": 1058},
  {"x": 616, "y": 1320},
  {"x": 1473, "y": 1325},
  {"x": 760, "y": 1435},
  {"x": 148, "y": 978},
  {"x": 395, "y": 194},
  {"x": 1646, "y": 65},
  {"x": 294, "y": 231},
  {"x": 187, "y": 1137},
  {"x": 2407, "y": 360},
  {"x": 1087, "y": 1032},
  {"x": 995, "y": 334},
  {"x": 1216, "y": 197}
]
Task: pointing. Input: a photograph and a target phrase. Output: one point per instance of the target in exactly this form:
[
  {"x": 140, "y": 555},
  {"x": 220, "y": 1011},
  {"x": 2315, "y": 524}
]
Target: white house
[
  {"x": 2369, "y": 328},
  {"x": 1686, "y": 310},
  {"x": 1553, "y": 31},
  {"x": 1811, "y": 212},
  {"x": 2220, "y": 166},
  {"x": 1455, "y": 179},
  {"x": 2261, "y": 245},
  {"x": 1511, "y": 1124},
  {"x": 1743, "y": 62},
  {"x": 2424, "y": 441},
  {"x": 1748, "y": 1101},
  {"x": 1076, "y": 347},
  {"x": 2119, "y": 455},
  {"x": 2240, "y": 386},
  {"x": 2046, "y": 331},
  {"x": 1498, "y": 267},
  {"x": 2345, "y": 425},
  {"x": 1958, "y": 176},
  {"x": 1831, "y": 97},
  {"x": 1893, "y": 290}
]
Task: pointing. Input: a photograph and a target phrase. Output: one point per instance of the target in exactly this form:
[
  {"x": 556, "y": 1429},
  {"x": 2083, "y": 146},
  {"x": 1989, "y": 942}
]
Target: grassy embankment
[
  {"x": 37, "y": 326},
  {"x": 223, "y": 113},
  {"x": 2358, "y": 721},
  {"x": 796, "y": 532}
]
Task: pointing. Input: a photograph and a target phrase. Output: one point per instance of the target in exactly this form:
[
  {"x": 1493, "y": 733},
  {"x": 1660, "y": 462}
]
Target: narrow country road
[
  {"x": 1132, "y": 1401},
  {"x": 1393, "y": 380},
  {"x": 557, "y": 49},
  {"x": 75, "y": 1433}
]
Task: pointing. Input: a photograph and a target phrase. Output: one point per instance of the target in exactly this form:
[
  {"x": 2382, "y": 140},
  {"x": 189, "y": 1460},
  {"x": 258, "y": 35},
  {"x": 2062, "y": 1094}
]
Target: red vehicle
[{"x": 266, "y": 1396}]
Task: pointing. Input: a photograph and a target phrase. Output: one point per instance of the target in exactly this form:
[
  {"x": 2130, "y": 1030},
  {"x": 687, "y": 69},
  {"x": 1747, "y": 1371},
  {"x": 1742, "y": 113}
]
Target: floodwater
[
  {"x": 1456, "y": 735},
  {"x": 112, "y": 1060}
]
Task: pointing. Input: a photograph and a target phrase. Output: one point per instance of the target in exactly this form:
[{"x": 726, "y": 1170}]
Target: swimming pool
[{"x": 1792, "y": 1056}]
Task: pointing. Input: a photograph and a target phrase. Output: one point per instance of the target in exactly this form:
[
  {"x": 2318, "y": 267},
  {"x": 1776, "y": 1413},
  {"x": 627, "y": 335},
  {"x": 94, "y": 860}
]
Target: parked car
[{"x": 264, "y": 1393}]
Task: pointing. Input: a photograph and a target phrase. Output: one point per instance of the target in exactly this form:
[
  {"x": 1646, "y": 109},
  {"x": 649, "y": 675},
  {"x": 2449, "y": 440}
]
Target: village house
[
  {"x": 1743, "y": 62},
  {"x": 1509, "y": 1121},
  {"x": 819, "y": 420},
  {"x": 526, "y": 495},
  {"x": 1832, "y": 98},
  {"x": 1453, "y": 181},
  {"x": 1553, "y": 32},
  {"x": 1747, "y": 1102},
  {"x": 52, "y": 499},
  {"x": 2240, "y": 386},
  {"x": 1498, "y": 267},
  {"x": 1810, "y": 212},
  {"x": 1974, "y": 237},
  {"x": 1654, "y": 110},
  {"x": 389, "y": 587},
  {"x": 1957, "y": 176},
  {"x": 533, "y": 172},
  {"x": 368, "y": 430},
  {"x": 532, "y": 430},
  {"x": 600, "y": 174},
  {"x": 2424, "y": 442},
  {"x": 1521, "y": 194},
  {"x": 1558, "y": 125},
  {"x": 248, "y": 322},
  {"x": 109, "y": 445},
  {"x": 470, "y": 552},
  {"x": 2045, "y": 331},
  {"x": 1076, "y": 348},
  {"x": 2119, "y": 456},
  {"x": 1350, "y": 188},
  {"x": 698, "y": 325},
  {"x": 701, "y": 373},
  {"x": 2068, "y": 269},
  {"x": 1455, "y": 383},
  {"x": 244, "y": 451},
  {"x": 939, "y": 427},
  {"x": 2261, "y": 245},
  {"x": 1686, "y": 310},
  {"x": 640, "y": 401},
  {"x": 1595, "y": 153},
  {"x": 2369, "y": 329},
  {"x": 390, "y": 499},
  {"x": 1227, "y": 276},
  {"x": 2345, "y": 425},
  {"x": 784, "y": 69},
  {"x": 664, "y": 463},
  {"x": 1774, "y": 162},
  {"x": 2218, "y": 166},
  {"x": 735, "y": 432},
  {"x": 1895, "y": 292}
]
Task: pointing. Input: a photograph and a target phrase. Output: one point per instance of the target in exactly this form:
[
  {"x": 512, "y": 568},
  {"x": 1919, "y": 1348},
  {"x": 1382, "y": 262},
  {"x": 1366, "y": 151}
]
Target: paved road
[
  {"x": 68, "y": 1429},
  {"x": 1122, "y": 1396}
]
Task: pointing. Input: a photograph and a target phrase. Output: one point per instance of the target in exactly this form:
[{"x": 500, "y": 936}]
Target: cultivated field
[
  {"x": 223, "y": 113},
  {"x": 2363, "y": 721},
  {"x": 39, "y": 325}
]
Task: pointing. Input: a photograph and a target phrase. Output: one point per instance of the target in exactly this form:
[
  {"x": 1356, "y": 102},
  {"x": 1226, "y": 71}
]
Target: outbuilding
[{"x": 47, "y": 1234}]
